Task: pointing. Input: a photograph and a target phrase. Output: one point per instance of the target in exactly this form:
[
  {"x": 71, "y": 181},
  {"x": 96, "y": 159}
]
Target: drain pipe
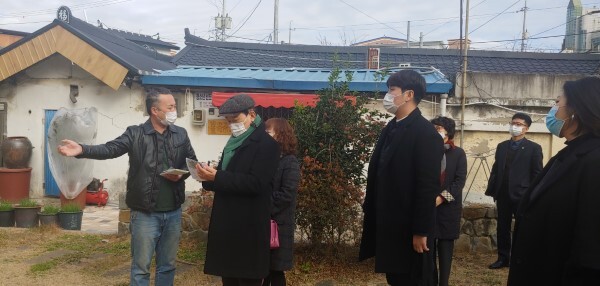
[{"x": 443, "y": 101}]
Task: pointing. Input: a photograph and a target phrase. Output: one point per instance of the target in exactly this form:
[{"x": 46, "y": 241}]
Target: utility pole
[
  {"x": 276, "y": 23},
  {"x": 222, "y": 22},
  {"x": 421, "y": 40},
  {"x": 524, "y": 34},
  {"x": 461, "y": 26},
  {"x": 464, "y": 78},
  {"x": 408, "y": 35},
  {"x": 290, "y": 34}
]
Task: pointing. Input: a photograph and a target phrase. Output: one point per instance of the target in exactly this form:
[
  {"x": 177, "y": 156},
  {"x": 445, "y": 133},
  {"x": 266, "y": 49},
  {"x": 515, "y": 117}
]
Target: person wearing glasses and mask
[
  {"x": 155, "y": 198},
  {"x": 238, "y": 247},
  {"x": 557, "y": 229},
  {"x": 516, "y": 164}
]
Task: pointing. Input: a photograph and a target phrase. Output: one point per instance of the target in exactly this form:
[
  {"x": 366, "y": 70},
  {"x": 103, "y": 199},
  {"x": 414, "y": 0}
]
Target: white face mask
[
  {"x": 238, "y": 128},
  {"x": 442, "y": 134},
  {"x": 388, "y": 103},
  {"x": 170, "y": 118},
  {"x": 515, "y": 130}
]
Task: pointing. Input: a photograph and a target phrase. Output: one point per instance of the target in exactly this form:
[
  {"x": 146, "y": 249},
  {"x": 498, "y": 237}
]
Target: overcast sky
[{"x": 337, "y": 22}]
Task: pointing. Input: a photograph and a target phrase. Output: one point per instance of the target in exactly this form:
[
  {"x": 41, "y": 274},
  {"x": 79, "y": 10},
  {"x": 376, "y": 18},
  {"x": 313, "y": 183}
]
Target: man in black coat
[
  {"x": 517, "y": 163},
  {"x": 403, "y": 182}
]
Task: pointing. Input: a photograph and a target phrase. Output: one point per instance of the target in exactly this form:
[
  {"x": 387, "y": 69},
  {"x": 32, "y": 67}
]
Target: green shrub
[
  {"x": 50, "y": 210},
  {"x": 28, "y": 203},
  {"x": 70, "y": 208},
  {"x": 335, "y": 139},
  {"x": 6, "y": 206}
]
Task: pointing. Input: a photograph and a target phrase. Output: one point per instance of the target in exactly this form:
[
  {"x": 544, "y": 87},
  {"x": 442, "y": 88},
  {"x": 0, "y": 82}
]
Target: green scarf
[{"x": 234, "y": 142}]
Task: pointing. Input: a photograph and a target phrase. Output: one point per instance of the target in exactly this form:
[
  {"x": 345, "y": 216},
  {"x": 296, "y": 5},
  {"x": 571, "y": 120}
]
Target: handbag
[{"x": 274, "y": 235}]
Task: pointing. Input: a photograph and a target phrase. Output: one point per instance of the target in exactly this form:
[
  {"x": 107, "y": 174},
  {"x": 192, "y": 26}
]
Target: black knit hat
[{"x": 236, "y": 104}]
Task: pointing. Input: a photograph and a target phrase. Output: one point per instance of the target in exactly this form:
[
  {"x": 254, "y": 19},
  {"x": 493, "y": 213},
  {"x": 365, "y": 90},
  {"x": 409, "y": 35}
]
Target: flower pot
[
  {"x": 48, "y": 219},
  {"x": 14, "y": 184},
  {"x": 26, "y": 217},
  {"x": 78, "y": 200},
  {"x": 70, "y": 221},
  {"x": 16, "y": 152},
  {"x": 7, "y": 218}
]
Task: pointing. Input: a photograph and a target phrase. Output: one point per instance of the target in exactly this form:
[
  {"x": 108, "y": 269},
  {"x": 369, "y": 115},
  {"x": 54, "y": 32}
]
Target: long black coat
[
  {"x": 239, "y": 231},
  {"x": 526, "y": 165},
  {"x": 400, "y": 197},
  {"x": 283, "y": 202},
  {"x": 557, "y": 231},
  {"x": 447, "y": 223}
]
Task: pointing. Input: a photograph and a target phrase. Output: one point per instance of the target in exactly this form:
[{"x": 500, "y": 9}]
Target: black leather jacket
[{"x": 139, "y": 142}]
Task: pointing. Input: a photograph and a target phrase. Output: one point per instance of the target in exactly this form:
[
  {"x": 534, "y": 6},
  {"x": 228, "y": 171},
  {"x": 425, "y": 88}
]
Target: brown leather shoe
[{"x": 499, "y": 264}]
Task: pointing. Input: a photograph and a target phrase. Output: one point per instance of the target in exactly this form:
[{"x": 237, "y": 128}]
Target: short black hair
[
  {"x": 583, "y": 97},
  {"x": 523, "y": 116},
  {"x": 409, "y": 80},
  {"x": 447, "y": 123},
  {"x": 152, "y": 96}
]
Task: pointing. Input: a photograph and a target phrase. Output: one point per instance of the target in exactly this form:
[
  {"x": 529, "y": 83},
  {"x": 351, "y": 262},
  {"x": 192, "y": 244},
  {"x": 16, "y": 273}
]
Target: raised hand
[{"x": 69, "y": 148}]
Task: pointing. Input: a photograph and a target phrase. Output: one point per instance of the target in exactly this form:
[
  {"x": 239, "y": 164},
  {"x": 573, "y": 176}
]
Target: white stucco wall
[{"x": 45, "y": 86}]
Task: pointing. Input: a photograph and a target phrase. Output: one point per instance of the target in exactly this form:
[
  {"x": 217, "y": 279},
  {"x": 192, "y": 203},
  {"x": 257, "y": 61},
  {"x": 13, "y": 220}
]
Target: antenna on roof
[{"x": 85, "y": 14}]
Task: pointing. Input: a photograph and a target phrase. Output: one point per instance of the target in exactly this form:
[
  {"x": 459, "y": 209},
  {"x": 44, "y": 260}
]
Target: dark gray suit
[{"x": 507, "y": 189}]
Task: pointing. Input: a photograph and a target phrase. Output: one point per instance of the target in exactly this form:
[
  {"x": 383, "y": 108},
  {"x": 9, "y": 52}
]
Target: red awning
[
  {"x": 269, "y": 99},
  {"x": 276, "y": 100}
]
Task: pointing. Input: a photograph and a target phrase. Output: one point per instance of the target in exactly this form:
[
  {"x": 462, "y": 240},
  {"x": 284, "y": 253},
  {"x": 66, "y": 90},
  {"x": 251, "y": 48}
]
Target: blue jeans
[{"x": 150, "y": 232}]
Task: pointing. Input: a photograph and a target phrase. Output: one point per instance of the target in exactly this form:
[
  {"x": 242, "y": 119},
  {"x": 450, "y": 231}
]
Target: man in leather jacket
[{"x": 154, "y": 198}]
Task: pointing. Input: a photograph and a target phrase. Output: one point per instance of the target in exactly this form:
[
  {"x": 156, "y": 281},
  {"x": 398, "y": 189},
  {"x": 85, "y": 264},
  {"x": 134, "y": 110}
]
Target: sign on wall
[
  {"x": 202, "y": 100},
  {"x": 218, "y": 127}
]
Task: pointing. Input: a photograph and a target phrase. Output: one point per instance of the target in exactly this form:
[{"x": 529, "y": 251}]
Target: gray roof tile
[{"x": 200, "y": 52}]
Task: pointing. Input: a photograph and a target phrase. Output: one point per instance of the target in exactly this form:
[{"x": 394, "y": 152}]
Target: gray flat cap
[{"x": 236, "y": 104}]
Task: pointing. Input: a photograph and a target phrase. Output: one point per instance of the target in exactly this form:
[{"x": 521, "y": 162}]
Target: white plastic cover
[{"x": 80, "y": 125}]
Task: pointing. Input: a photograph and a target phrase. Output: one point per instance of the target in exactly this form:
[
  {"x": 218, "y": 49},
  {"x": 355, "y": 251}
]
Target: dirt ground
[{"x": 50, "y": 256}]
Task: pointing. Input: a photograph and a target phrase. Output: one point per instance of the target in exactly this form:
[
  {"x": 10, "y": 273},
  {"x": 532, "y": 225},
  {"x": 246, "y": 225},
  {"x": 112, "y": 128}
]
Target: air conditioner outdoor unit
[{"x": 404, "y": 65}]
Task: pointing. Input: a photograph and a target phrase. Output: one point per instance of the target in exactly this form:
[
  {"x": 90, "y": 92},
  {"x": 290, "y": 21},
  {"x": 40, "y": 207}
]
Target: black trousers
[
  {"x": 228, "y": 281},
  {"x": 506, "y": 210},
  {"x": 443, "y": 250},
  {"x": 275, "y": 278}
]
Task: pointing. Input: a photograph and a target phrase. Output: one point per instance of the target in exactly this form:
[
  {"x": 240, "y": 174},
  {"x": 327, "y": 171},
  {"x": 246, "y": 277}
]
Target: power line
[
  {"x": 374, "y": 18},
  {"x": 247, "y": 18},
  {"x": 21, "y": 23},
  {"x": 533, "y": 38},
  {"x": 89, "y": 5},
  {"x": 495, "y": 17},
  {"x": 234, "y": 6}
]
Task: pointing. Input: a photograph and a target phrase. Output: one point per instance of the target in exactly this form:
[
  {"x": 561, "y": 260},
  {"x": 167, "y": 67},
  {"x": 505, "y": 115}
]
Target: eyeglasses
[{"x": 518, "y": 124}]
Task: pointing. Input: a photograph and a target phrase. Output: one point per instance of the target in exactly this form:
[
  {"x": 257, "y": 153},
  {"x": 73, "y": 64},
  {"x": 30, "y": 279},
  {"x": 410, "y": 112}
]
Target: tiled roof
[
  {"x": 131, "y": 55},
  {"x": 14, "y": 33},
  {"x": 142, "y": 39},
  {"x": 135, "y": 58},
  {"x": 200, "y": 52}
]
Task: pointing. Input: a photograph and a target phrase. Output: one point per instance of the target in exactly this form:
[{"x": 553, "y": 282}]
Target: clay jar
[{"x": 16, "y": 152}]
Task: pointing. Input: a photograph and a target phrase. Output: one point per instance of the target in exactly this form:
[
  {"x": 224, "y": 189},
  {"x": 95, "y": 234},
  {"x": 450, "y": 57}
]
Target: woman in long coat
[
  {"x": 283, "y": 200},
  {"x": 449, "y": 200},
  {"x": 557, "y": 230},
  {"x": 238, "y": 236}
]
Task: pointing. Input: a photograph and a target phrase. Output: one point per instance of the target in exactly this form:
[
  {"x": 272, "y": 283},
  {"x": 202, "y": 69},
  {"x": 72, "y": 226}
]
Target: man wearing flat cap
[{"x": 239, "y": 231}]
